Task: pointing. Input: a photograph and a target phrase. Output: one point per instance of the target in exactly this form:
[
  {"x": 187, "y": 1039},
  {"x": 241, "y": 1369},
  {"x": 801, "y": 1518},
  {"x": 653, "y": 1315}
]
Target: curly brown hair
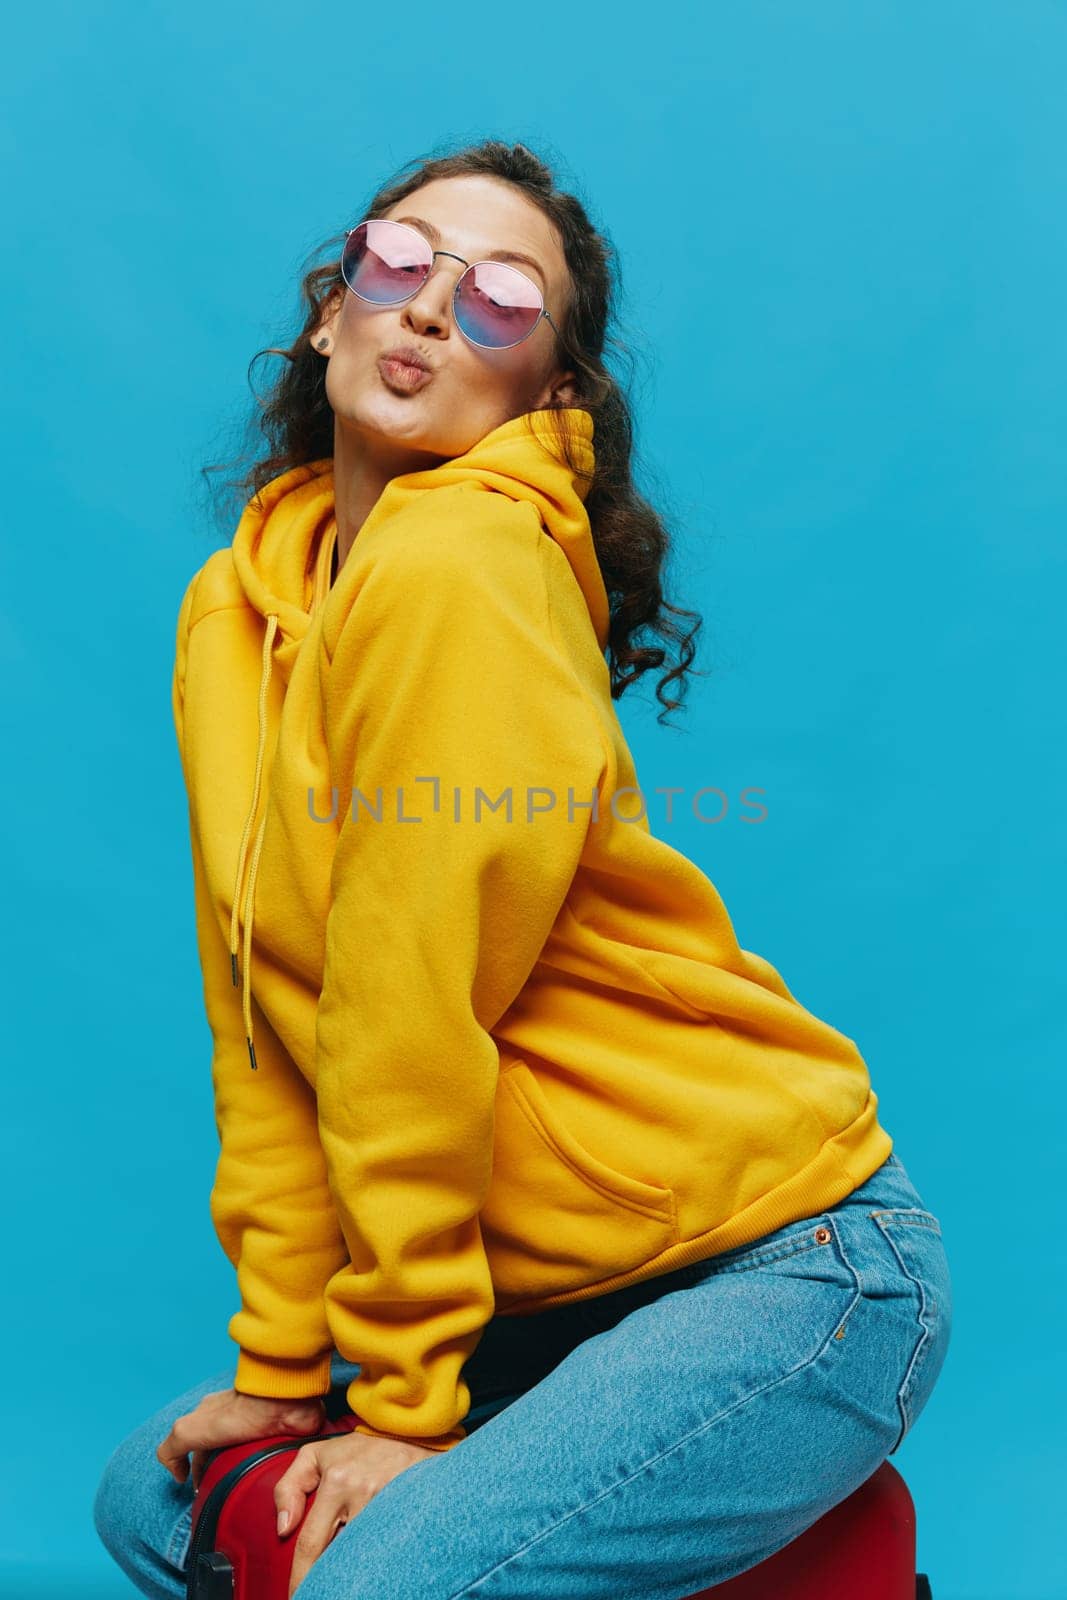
[{"x": 631, "y": 538}]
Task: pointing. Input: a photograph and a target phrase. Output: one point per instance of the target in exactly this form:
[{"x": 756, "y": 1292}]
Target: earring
[{"x": 323, "y": 342}]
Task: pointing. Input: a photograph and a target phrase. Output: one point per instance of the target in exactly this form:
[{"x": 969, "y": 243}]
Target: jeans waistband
[{"x": 889, "y": 1188}]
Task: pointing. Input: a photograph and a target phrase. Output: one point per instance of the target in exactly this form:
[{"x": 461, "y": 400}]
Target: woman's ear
[
  {"x": 562, "y": 393},
  {"x": 323, "y": 334}
]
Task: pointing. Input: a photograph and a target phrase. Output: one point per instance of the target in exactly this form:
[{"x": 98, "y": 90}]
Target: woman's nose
[{"x": 434, "y": 298}]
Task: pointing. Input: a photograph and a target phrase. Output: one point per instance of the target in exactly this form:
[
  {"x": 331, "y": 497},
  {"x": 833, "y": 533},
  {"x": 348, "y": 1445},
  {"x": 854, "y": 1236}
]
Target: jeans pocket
[
  {"x": 805, "y": 1234},
  {"x": 914, "y": 1236}
]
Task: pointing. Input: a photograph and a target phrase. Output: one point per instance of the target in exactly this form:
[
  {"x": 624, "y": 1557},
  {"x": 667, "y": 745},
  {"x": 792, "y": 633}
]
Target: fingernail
[{"x": 283, "y": 1521}]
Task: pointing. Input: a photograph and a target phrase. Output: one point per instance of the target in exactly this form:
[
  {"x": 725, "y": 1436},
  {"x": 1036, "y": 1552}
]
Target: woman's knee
[
  {"x": 109, "y": 1502},
  {"x": 138, "y": 1503},
  {"x": 135, "y": 1491}
]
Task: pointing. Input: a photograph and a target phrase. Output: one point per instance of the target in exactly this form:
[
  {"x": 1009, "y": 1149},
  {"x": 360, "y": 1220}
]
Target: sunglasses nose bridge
[{"x": 432, "y": 272}]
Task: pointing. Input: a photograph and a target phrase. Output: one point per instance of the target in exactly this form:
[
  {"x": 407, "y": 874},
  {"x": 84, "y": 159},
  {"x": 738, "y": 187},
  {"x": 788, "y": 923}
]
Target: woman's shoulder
[
  {"x": 452, "y": 530},
  {"x": 461, "y": 551},
  {"x": 214, "y": 586}
]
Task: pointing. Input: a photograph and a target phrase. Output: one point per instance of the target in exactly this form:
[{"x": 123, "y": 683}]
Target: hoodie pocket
[{"x": 557, "y": 1217}]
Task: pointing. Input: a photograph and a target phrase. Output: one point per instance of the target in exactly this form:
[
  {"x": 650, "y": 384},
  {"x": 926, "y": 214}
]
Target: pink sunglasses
[{"x": 495, "y": 306}]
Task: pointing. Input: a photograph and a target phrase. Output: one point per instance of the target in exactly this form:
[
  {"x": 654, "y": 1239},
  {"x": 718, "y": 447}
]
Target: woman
[{"x": 523, "y": 1160}]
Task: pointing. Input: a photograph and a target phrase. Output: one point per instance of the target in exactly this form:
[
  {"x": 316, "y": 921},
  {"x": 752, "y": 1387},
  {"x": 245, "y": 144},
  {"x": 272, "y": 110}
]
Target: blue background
[{"x": 855, "y": 416}]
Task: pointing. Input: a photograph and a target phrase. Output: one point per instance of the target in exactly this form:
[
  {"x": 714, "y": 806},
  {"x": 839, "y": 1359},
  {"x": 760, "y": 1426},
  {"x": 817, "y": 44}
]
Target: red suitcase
[
  {"x": 862, "y": 1549},
  {"x": 235, "y": 1552}
]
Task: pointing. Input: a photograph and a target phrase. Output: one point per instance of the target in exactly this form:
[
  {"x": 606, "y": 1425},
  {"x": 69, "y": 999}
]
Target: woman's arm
[
  {"x": 271, "y": 1203},
  {"x": 446, "y": 676}
]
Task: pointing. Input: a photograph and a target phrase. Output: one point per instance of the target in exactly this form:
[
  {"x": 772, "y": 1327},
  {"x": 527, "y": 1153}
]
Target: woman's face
[{"x": 471, "y": 390}]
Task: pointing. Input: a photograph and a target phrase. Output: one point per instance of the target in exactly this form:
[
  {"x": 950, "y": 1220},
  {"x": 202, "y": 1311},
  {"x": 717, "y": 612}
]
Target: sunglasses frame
[{"x": 468, "y": 266}]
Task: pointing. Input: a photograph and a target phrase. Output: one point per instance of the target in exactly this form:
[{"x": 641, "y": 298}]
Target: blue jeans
[{"x": 650, "y": 1442}]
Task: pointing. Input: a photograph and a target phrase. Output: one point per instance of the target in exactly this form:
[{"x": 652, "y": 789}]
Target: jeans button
[{"x": 823, "y": 1236}]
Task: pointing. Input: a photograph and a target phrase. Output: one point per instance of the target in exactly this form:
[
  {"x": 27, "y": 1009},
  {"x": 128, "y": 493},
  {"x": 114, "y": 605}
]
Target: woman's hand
[
  {"x": 344, "y": 1473},
  {"x": 228, "y": 1417}
]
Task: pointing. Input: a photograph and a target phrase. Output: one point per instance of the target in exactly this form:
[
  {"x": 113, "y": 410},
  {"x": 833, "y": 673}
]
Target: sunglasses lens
[
  {"x": 496, "y": 305},
  {"x": 385, "y": 261}
]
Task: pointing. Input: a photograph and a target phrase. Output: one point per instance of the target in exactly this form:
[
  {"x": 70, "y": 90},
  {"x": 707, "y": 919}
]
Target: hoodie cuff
[
  {"x": 440, "y": 1443},
  {"x": 283, "y": 1379}
]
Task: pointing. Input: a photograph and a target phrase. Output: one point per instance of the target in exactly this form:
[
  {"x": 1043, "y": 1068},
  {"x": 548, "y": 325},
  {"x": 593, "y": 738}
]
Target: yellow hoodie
[{"x": 483, "y": 1044}]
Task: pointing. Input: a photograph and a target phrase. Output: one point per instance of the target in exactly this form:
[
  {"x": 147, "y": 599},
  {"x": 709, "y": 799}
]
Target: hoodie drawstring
[{"x": 248, "y": 910}]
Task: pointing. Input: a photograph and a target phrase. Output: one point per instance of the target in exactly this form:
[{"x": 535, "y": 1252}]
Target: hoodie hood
[
  {"x": 286, "y": 536},
  {"x": 284, "y": 545}
]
